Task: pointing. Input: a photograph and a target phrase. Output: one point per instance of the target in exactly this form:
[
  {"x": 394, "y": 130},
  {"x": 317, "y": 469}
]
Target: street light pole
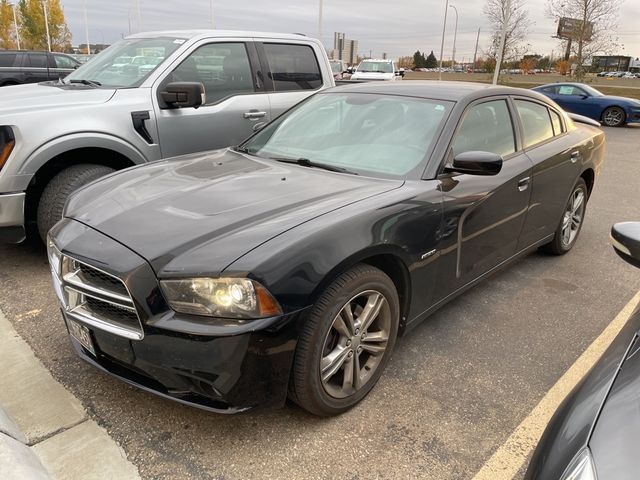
[
  {"x": 86, "y": 27},
  {"x": 15, "y": 24},
  {"x": 46, "y": 24},
  {"x": 455, "y": 35},
  {"x": 320, "y": 13},
  {"x": 138, "y": 14},
  {"x": 444, "y": 28},
  {"x": 503, "y": 37},
  {"x": 475, "y": 52}
]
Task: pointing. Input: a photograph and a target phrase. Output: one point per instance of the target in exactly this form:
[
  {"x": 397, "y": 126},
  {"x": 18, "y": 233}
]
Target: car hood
[
  {"x": 198, "y": 213},
  {"x": 39, "y": 97}
]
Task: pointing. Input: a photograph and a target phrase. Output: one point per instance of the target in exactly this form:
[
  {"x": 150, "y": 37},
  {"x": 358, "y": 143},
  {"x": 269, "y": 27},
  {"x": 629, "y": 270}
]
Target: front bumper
[
  {"x": 220, "y": 365},
  {"x": 633, "y": 116},
  {"x": 12, "y": 218}
]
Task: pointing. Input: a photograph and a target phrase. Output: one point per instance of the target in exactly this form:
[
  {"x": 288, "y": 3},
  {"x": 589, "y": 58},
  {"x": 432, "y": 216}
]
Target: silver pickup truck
[{"x": 147, "y": 97}]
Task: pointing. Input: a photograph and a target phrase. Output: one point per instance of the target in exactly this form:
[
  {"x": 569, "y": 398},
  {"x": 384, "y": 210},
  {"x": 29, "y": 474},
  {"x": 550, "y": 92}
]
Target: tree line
[{"x": 31, "y": 33}]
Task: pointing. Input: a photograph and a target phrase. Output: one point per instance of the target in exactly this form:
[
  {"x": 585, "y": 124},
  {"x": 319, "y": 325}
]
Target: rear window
[
  {"x": 7, "y": 59},
  {"x": 292, "y": 67},
  {"x": 536, "y": 122}
]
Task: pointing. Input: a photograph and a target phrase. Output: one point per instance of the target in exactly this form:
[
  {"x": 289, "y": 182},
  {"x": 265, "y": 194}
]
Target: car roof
[
  {"x": 451, "y": 91},
  {"x": 196, "y": 34}
]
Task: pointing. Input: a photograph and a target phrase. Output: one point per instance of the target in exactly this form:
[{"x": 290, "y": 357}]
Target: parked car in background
[
  {"x": 376, "y": 70},
  {"x": 22, "y": 66},
  {"x": 81, "y": 57},
  {"x": 594, "y": 433},
  {"x": 287, "y": 266},
  {"x": 198, "y": 91},
  {"x": 602, "y": 74},
  {"x": 338, "y": 68},
  {"x": 585, "y": 100}
]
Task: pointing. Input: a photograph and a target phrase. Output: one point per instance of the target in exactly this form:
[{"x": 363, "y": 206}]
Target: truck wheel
[{"x": 59, "y": 188}]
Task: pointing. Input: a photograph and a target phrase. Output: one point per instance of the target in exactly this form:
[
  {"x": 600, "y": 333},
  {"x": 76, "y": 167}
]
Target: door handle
[
  {"x": 254, "y": 114},
  {"x": 523, "y": 183},
  {"x": 575, "y": 156}
]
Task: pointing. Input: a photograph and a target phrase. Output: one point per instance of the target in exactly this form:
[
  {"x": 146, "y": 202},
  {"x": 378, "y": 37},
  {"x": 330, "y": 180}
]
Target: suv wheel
[
  {"x": 346, "y": 342},
  {"x": 59, "y": 188}
]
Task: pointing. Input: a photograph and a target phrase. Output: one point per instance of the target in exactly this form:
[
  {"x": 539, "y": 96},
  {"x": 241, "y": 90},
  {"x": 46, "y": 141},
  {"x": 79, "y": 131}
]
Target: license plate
[{"x": 82, "y": 334}]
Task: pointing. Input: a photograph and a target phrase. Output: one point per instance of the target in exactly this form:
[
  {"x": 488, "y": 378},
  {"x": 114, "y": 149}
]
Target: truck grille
[{"x": 97, "y": 298}]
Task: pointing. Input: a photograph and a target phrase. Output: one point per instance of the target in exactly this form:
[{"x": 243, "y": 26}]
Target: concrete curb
[{"x": 44, "y": 430}]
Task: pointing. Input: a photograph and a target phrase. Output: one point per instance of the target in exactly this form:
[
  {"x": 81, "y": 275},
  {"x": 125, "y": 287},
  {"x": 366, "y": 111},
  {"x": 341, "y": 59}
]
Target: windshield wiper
[
  {"x": 240, "y": 149},
  {"x": 305, "y": 162},
  {"x": 84, "y": 81}
]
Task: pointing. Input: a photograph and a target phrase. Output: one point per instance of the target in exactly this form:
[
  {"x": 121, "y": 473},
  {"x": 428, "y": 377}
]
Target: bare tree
[
  {"x": 517, "y": 27},
  {"x": 594, "y": 33}
]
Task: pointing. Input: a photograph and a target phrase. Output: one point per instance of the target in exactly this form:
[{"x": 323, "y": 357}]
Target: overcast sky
[{"x": 396, "y": 27}]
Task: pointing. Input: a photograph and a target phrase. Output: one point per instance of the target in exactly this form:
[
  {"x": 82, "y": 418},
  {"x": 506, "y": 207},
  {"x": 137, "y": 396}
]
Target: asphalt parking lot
[{"x": 456, "y": 387}]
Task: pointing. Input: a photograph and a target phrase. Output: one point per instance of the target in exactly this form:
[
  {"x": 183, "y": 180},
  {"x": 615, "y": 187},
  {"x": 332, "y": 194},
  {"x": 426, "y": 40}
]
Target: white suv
[{"x": 371, "y": 69}]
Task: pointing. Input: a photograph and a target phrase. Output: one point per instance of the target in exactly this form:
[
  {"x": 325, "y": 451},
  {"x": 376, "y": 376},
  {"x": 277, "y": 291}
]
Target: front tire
[
  {"x": 571, "y": 223},
  {"x": 57, "y": 191},
  {"x": 614, "y": 117},
  {"x": 346, "y": 342}
]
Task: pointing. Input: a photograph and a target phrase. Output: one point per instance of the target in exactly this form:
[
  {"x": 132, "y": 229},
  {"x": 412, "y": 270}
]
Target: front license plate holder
[{"x": 82, "y": 334}]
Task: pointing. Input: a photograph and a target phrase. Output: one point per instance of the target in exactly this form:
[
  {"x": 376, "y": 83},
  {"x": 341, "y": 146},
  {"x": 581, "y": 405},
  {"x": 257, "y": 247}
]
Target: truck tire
[{"x": 57, "y": 191}]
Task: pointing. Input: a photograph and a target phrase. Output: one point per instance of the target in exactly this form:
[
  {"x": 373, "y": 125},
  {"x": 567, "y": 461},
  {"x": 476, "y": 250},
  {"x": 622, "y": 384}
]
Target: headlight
[
  {"x": 581, "y": 467},
  {"x": 220, "y": 297},
  {"x": 7, "y": 142},
  {"x": 54, "y": 256}
]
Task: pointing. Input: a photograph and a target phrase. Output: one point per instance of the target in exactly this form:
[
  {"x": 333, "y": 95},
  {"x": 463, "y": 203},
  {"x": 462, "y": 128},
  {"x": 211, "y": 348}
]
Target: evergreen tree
[{"x": 431, "y": 61}]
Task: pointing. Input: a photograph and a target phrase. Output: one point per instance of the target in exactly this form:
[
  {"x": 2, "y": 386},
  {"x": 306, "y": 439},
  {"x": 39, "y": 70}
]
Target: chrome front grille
[{"x": 97, "y": 298}]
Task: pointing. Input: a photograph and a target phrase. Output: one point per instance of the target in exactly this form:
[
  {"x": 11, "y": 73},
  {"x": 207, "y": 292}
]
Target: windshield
[
  {"x": 119, "y": 65},
  {"x": 368, "y": 66},
  {"x": 336, "y": 67},
  {"x": 376, "y": 135}
]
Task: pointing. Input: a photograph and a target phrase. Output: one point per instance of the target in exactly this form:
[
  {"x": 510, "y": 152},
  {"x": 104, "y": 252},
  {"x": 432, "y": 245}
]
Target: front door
[
  {"x": 234, "y": 101},
  {"x": 576, "y": 100},
  {"x": 482, "y": 215}
]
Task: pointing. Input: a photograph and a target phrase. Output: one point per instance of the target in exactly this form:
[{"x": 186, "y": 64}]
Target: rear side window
[
  {"x": 292, "y": 67},
  {"x": 7, "y": 59},
  {"x": 536, "y": 122},
  {"x": 556, "y": 121},
  {"x": 38, "y": 60},
  {"x": 486, "y": 127}
]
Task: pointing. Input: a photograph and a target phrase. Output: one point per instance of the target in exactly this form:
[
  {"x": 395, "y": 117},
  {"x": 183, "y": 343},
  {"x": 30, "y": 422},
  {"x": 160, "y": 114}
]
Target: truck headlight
[
  {"x": 239, "y": 298},
  {"x": 581, "y": 467},
  {"x": 7, "y": 142}
]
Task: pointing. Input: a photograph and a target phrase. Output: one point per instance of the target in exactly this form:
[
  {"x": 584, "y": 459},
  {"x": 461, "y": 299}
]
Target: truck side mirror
[{"x": 183, "y": 94}]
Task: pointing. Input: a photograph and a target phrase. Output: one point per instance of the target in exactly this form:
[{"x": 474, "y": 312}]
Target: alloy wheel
[
  {"x": 355, "y": 344},
  {"x": 572, "y": 218},
  {"x": 613, "y": 117}
]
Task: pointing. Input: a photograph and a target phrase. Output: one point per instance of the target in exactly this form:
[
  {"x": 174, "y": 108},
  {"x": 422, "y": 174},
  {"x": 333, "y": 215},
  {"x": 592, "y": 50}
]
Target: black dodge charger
[{"x": 287, "y": 266}]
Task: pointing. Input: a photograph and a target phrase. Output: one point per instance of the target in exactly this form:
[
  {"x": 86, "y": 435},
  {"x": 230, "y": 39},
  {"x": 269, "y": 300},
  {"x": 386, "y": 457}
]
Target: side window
[
  {"x": 550, "y": 90},
  {"x": 486, "y": 127},
  {"x": 223, "y": 69},
  {"x": 569, "y": 90},
  {"x": 37, "y": 60},
  {"x": 556, "y": 121},
  {"x": 292, "y": 67},
  {"x": 536, "y": 122},
  {"x": 64, "y": 62},
  {"x": 7, "y": 59}
]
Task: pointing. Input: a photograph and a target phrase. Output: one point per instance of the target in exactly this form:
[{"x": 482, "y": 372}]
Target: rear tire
[
  {"x": 614, "y": 117},
  {"x": 342, "y": 351},
  {"x": 57, "y": 191},
  {"x": 570, "y": 226}
]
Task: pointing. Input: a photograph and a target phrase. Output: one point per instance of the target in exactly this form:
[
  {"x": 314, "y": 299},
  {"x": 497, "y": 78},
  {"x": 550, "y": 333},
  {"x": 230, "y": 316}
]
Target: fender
[{"x": 57, "y": 146}]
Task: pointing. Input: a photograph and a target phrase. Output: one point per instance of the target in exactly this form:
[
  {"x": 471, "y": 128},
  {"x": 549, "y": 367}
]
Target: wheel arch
[
  {"x": 589, "y": 177},
  {"x": 390, "y": 259}
]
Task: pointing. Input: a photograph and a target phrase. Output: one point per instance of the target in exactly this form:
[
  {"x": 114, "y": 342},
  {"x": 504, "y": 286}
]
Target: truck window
[
  {"x": 223, "y": 69},
  {"x": 7, "y": 59},
  {"x": 292, "y": 67},
  {"x": 64, "y": 62},
  {"x": 38, "y": 60}
]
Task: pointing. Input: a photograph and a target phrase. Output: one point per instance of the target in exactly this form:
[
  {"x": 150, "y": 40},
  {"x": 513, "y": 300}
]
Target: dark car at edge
[{"x": 287, "y": 266}]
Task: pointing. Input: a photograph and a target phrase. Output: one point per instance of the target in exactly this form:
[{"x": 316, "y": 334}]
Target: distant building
[
  {"x": 610, "y": 63},
  {"x": 344, "y": 49},
  {"x": 93, "y": 47}
]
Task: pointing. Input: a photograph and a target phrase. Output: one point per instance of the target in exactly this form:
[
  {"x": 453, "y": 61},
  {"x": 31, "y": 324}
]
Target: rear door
[
  {"x": 556, "y": 165},
  {"x": 235, "y": 100},
  {"x": 293, "y": 73},
  {"x": 482, "y": 215},
  {"x": 36, "y": 67}
]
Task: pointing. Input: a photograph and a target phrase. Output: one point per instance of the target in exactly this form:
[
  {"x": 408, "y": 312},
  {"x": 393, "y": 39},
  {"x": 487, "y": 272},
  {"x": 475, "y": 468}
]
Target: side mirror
[
  {"x": 183, "y": 95},
  {"x": 476, "y": 163},
  {"x": 584, "y": 96},
  {"x": 625, "y": 238}
]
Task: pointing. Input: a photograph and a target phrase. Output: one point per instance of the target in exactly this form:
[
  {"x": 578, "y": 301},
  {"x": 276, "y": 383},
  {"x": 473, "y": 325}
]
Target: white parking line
[{"x": 511, "y": 455}]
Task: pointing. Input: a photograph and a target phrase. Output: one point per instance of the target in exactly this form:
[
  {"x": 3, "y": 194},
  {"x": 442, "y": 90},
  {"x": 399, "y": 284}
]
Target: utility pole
[
  {"x": 15, "y": 24},
  {"x": 46, "y": 24},
  {"x": 320, "y": 20},
  {"x": 455, "y": 35},
  {"x": 86, "y": 27},
  {"x": 444, "y": 28},
  {"x": 213, "y": 23},
  {"x": 138, "y": 13},
  {"x": 475, "y": 53},
  {"x": 503, "y": 35}
]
